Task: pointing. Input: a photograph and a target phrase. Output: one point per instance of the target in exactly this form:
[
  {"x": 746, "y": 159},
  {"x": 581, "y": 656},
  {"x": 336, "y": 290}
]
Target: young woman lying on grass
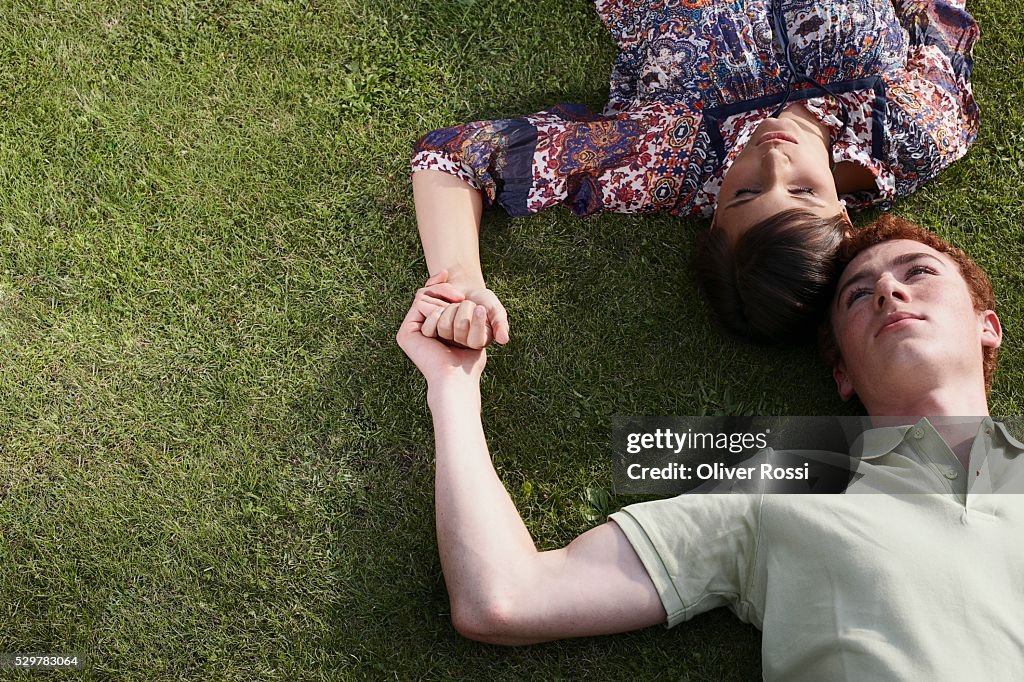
[{"x": 771, "y": 118}]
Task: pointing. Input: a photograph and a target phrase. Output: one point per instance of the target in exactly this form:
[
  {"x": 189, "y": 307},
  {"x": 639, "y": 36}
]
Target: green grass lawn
[{"x": 215, "y": 463}]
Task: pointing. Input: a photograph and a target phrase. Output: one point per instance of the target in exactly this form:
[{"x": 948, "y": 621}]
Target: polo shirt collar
[
  {"x": 874, "y": 443},
  {"x": 1010, "y": 439}
]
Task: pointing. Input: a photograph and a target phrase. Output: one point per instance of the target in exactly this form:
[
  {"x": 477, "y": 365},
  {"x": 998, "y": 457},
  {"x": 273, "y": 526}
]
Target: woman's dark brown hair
[{"x": 773, "y": 284}]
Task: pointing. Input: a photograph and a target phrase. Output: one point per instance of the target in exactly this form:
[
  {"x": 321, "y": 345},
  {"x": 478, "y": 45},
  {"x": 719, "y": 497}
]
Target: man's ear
[
  {"x": 843, "y": 384},
  {"x": 991, "y": 330}
]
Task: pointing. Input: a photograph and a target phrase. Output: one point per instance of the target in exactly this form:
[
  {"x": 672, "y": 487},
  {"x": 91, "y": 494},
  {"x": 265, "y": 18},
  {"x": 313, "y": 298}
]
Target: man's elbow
[{"x": 490, "y": 621}]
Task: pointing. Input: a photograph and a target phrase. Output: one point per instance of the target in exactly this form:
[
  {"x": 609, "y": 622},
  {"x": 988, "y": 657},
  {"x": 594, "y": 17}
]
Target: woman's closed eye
[{"x": 794, "y": 190}]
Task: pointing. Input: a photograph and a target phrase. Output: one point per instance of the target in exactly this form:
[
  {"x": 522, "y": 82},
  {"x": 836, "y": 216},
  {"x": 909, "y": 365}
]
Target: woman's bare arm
[{"x": 448, "y": 214}]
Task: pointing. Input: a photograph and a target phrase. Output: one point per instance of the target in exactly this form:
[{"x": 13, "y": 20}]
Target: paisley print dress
[{"x": 694, "y": 78}]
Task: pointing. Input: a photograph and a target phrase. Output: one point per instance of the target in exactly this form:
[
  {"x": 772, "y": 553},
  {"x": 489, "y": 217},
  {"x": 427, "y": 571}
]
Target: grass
[{"x": 214, "y": 461}]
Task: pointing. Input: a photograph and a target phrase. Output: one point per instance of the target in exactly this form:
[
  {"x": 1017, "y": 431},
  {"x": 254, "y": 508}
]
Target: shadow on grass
[{"x": 605, "y": 321}]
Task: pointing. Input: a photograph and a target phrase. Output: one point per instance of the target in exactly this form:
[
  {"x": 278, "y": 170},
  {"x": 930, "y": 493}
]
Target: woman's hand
[
  {"x": 459, "y": 322},
  {"x": 440, "y": 363}
]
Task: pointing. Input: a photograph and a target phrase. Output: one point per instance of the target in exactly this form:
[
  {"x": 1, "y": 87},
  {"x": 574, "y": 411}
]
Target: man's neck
[
  {"x": 956, "y": 415},
  {"x": 934, "y": 403}
]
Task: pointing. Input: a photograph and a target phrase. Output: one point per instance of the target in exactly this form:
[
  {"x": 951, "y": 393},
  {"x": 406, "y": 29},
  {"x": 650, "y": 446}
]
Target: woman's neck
[
  {"x": 797, "y": 113},
  {"x": 849, "y": 176}
]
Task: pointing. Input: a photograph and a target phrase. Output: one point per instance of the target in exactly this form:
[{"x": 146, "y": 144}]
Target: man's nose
[{"x": 887, "y": 289}]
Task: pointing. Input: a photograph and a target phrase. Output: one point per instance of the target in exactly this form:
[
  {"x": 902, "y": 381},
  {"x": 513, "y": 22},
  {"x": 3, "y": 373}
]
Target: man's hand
[
  {"x": 458, "y": 322},
  {"x": 439, "y": 362}
]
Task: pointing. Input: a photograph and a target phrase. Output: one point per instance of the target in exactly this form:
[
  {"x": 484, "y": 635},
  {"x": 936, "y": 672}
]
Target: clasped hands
[
  {"x": 445, "y": 331},
  {"x": 464, "y": 317}
]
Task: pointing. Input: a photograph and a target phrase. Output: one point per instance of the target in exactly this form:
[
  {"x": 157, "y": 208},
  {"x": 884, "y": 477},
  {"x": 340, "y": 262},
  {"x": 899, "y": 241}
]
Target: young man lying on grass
[{"x": 844, "y": 587}]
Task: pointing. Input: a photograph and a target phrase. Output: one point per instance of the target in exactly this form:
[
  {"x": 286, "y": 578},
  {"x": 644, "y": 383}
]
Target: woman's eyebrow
[{"x": 802, "y": 197}]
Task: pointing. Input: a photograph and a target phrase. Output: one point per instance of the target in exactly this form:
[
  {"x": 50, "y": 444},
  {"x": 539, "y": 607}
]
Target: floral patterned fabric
[{"x": 694, "y": 78}]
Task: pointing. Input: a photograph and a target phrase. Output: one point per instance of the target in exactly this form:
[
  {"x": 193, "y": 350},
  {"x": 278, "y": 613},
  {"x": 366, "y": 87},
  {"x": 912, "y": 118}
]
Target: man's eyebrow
[{"x": 902, "y": 259}]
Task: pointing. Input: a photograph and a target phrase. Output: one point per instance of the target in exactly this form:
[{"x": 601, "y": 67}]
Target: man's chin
[{"x": 916, "y": 362}]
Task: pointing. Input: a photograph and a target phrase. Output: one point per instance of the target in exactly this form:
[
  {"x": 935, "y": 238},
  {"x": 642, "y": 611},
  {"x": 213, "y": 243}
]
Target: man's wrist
[{"x": 460, "y": 394}]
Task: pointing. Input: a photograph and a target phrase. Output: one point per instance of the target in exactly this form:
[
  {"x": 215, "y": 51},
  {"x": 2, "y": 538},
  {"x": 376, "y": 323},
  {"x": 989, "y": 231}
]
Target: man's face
[
  {"x": 784, "y": 165},
  {"x": 903, "y": 316}
]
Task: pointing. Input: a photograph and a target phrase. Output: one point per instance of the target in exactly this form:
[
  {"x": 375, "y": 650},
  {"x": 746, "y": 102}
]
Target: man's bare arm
[{"x": 503, "y": 590}]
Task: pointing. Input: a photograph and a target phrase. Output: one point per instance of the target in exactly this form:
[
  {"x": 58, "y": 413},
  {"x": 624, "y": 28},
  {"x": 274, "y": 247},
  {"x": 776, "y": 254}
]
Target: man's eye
[
  {"x": 920, "y": 270},
  {"x": 745, "y": 190},
  {"x": 852, "y": 297},
  {"x": 802, "y": 190}
]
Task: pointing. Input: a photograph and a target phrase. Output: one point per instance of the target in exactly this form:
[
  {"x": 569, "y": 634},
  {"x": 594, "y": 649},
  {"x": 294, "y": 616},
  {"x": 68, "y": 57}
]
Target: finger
[
  {"x": 499, "y": 323},
  {"x": 463, "y": 320},
  {"x": 417, "y": 312},
  {"x": 429, "y": 326},
  {"x": 439, "y": 278},
  {"x": 410, "y": 325},
  {"x": 480, "y": 329},
  {"x": 446, "y": 323},
  {"x": 427, "y": 306},
  {"x": 442, "y": 292}
]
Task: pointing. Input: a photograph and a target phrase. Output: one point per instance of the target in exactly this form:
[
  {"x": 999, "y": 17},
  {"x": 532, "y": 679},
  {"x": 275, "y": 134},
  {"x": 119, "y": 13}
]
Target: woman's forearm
[
  {"x": 448, "y": 214},
  {"x": 486, "y": 550}
]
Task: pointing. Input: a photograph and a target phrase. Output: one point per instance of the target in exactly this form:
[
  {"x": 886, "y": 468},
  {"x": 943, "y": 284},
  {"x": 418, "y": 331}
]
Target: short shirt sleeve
[
  {"x": 631, "y": 162},
  {"x": 699, "y": 550}
]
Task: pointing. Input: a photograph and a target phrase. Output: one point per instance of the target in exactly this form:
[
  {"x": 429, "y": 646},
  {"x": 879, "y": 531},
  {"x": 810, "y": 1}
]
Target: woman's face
[{"x": 784, "y": 165}]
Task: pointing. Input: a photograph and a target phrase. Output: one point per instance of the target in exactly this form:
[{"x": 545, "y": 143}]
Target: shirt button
[
  {"x": 917, "y": 433},
  {"x": 950, "y": 474}
]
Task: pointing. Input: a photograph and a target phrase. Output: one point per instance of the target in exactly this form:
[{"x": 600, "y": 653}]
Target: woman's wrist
[{"x": 465, "y": 279}]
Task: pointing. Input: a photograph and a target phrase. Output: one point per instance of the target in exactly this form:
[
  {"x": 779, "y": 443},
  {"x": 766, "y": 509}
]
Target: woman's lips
[{"x": 776, "y": 137}]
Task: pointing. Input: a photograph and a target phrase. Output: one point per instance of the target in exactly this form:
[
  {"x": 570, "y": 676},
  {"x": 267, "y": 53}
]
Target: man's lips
[
  {"x": 776, "y": 137},
  {"x": 896, "y": 321}
]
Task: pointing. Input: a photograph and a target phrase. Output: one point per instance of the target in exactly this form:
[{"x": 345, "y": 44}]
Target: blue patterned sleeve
[
  {"x": 629, "y": 162},
  {"x": 933, "y": 117},
  {"x": 946, "y": 25}
]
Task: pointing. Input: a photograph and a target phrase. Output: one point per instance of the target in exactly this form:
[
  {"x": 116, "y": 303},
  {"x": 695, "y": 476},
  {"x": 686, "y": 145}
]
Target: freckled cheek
[{"x": 853, "y": 326}]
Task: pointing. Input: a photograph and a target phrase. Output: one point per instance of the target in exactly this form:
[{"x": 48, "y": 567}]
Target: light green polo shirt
[{"x": 924, "y": 581}]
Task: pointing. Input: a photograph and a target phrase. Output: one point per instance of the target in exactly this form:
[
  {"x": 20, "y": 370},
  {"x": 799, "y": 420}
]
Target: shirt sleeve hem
[{"x": 648, "y": 554}]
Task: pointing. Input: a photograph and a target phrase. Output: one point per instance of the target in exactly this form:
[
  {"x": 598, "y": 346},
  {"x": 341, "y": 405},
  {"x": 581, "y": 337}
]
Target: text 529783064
[{"x": 41, "y": 661}]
